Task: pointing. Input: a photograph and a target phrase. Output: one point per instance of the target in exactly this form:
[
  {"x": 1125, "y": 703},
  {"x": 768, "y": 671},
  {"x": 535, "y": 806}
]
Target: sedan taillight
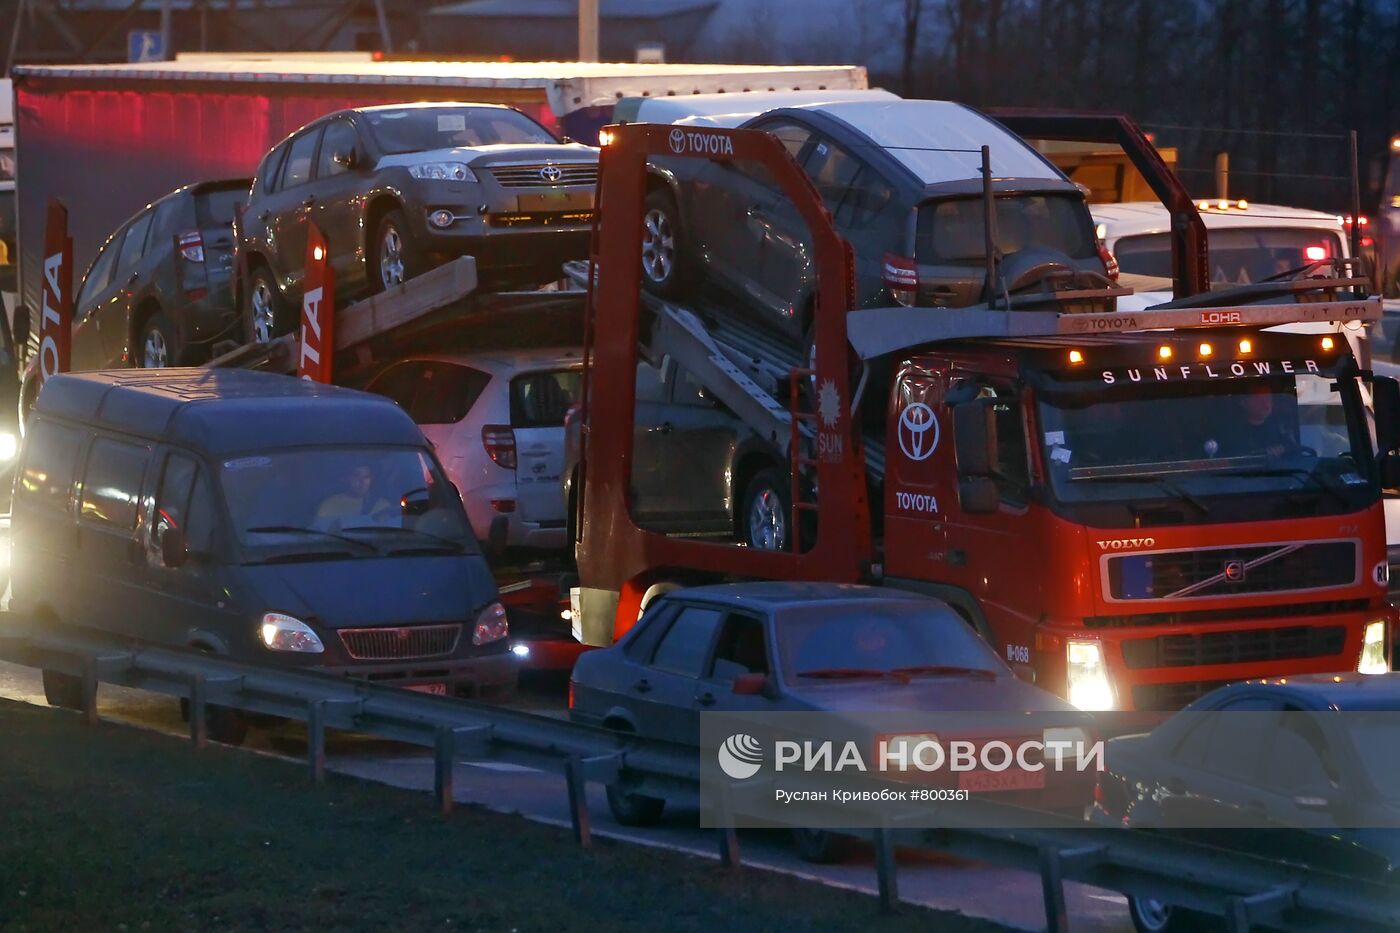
[{"x": 499, "y": 441}]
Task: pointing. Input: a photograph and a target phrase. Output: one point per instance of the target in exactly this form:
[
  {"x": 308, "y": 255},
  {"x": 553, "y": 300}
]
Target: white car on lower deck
[{"x": 496, "y": 421}]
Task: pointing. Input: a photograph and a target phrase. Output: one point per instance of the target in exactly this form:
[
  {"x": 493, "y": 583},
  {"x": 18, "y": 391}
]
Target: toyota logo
[
  {"x": 916, "y": 422},
  {"x": 677, "y": 140},
  {"x": 552, "y": 173}
]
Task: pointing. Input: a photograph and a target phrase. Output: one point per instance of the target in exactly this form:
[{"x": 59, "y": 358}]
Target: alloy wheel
[
  {"x": 767, "y": 522},
  {"x": 391, "y": 270},
  {"x": 155, "y": 354},
  {"x": 658, "y": 246},
  {"x": 264, "y": 312}
]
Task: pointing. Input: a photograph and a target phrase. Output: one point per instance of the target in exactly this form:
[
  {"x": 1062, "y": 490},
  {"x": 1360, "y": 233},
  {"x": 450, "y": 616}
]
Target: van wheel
[
  {"x": 631, "y": 809},
  {"x": 63, "y": 690},
  {"x": 820, "y": 846},
  {"x": 663, "y": 247},
  {"x": 766, "y": 515},
  {"x": 1153, "y": 916},
  {"x": 155, "y": 346},
  {"x": 266, "y": 316}
]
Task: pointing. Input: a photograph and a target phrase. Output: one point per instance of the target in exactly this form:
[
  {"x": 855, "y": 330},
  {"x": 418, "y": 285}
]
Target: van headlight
[
  {"x": 442, "y": 171},
  {"x": 1373, "y": 649},
  {"x": 907, "y": 752},
  {"x": 9, "y": 446},
  {"x": 490, "y": 625},
  {"x": 282, "y": 632},
  {"x": 1087, "y": 676}
]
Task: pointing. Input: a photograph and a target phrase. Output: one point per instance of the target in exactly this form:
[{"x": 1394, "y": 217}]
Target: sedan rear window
[
  {"x": 421, "y": 129},
  {"x": 1237, "y": 257},
  {"x": 950, "y": 231},
  {"x": 541, "y": 400},
  {"x": 215, "y": 208}
]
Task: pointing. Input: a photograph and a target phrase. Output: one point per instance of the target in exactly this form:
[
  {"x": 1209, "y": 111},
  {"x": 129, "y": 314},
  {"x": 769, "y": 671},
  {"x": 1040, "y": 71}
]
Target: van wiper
[
  {"x": 1161, "y": 481},
  {"x": 297, "y": 529},
  {"x": 447, "y": 543}
]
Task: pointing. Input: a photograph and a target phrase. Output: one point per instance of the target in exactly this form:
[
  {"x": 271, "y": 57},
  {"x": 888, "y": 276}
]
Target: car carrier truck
[{"x": 1131, "y": 506}]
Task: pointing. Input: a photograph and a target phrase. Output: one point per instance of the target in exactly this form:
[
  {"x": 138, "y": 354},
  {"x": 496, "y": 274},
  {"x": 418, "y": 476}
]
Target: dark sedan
[
  {"x": 1302, "y": 768},
  {"x": 396, "y": 188},
  {"x": 800, "y": 647}
]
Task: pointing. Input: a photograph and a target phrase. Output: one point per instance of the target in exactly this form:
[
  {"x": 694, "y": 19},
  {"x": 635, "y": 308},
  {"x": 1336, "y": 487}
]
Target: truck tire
[
  {"x": 266, "y": 316},
  {"x": 63, "y": 690},
  {"x": 663, "y": 246},
  {"x": 1152, "y": 916},
  {"x": 155, "y": 345},
  {"x": 765, "y": 517},
  {"x": 394, "y": 255}
]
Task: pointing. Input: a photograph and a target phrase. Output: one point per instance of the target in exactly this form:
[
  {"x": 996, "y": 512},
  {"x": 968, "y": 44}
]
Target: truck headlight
[
  {"x": 1373, "y": 649},
  {"x": 282, "y": 632},
  {"x": 442, "y": 171},
  {"x": 1087, "y": 676},
  {"x": 490, "y": 625}
]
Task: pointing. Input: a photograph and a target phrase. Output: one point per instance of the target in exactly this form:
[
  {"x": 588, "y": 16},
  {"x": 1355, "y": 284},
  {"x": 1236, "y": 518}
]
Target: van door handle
[{"x": 642, "y": 686}]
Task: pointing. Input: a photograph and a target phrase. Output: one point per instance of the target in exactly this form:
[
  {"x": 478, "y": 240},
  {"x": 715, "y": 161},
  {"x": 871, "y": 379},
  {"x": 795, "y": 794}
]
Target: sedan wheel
[{"x": 658, "y": 247}]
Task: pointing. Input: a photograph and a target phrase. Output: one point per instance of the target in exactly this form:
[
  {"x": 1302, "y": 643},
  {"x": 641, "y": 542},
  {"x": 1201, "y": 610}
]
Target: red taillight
[
  {"x": 499, "y": 441},
  {"x": 1110, "y": 262},
  {"x": 504, "y": 506},
  {"x": 1367, "y": 241},
  {"x": 902, "y": 279},
  {"x": 192, "y": 246},
  {"x": 571, "y": 693},
  {"x": 1315, "y": 253}
]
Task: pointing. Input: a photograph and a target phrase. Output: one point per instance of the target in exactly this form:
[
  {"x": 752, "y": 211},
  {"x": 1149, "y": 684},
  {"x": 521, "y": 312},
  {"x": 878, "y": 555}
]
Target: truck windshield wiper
[
  {"x": 297, "y": 529},
  {"x": 952, "y": 669},
  {"x": 843, "y": 673},
  {"x": 1161, "y": 481},
  {"x": 1313, "y": 480}
]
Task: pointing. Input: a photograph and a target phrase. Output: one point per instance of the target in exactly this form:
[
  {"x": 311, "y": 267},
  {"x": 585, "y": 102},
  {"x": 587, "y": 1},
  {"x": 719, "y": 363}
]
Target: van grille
[
  {"x": 398, "y": 644},
  {"x": 535, "y": 176},
  {"x": 1232, "y": 571},
  {"x": 1270, "y": 644}
]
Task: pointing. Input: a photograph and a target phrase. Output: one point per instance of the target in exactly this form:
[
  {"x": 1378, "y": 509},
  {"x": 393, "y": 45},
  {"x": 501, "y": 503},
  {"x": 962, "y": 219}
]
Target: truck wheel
[
  {"x": 820, "y": 846},
  {"x": 266, "y": 315},
  {"x": 663, "y": 261},
  {"x": 63, "y": 690},
  {"x": 1152, "y": 916},
  {"x": 766, "y": 514},
  {"x": 396, "y": 257},
  {"x": 155, "y": 348},
  {"x": 631, "y": 809}
]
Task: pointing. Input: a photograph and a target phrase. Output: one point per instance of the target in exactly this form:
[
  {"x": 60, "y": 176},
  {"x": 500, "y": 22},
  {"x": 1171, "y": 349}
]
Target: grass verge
[{"x": 114, "y": 828}]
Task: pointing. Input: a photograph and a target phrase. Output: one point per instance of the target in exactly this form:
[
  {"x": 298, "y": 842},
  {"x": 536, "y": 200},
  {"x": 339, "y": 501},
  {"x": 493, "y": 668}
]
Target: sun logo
[{"x": 828, "y": 404}]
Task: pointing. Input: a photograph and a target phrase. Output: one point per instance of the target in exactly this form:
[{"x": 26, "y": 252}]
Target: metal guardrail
[{"x": 1247, "y": 891}]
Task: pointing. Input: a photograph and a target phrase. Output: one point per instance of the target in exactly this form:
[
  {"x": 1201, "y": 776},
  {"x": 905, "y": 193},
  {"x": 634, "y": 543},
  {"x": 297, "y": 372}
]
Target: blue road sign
[{"x": 144, "y": 45}]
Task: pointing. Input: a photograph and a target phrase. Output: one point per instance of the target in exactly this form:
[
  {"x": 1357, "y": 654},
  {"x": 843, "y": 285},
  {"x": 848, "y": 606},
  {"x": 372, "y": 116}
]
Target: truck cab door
[{"x": 920, "y": 483}]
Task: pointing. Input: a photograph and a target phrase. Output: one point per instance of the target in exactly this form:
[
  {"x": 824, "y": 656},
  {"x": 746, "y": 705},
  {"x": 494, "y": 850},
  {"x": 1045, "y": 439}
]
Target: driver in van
[{"x": 357, "y": 500}]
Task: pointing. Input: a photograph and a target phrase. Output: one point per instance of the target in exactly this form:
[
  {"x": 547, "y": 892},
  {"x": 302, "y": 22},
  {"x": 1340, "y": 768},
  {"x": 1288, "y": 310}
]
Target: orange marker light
[
  {"x": 1246, "y": 346},
  {"x": 1076, "y": 357},
  {"x": 317, "y": 253},
  {"x": 1206, "y": 349},
  {"x": 1164, "y": 353},
  {"x": 1327, "y": 343}
]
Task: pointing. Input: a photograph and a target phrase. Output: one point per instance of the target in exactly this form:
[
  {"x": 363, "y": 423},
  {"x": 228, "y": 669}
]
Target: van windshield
[{"x": 343, "y": 502}]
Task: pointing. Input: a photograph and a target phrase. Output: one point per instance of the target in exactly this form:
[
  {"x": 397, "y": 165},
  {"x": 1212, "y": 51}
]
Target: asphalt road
[{"x": 1003, "y": 895}]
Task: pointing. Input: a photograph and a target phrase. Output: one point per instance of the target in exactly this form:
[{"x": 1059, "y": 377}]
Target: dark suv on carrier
[{"x": 396, "y": 188}]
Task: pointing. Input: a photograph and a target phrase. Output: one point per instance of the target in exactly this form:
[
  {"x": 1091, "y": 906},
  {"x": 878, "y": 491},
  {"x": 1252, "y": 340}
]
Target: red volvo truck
[{"x": 1097, "y": 493}]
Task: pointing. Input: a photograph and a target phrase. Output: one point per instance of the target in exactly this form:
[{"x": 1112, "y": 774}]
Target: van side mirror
[
  {"x": 173, "y": 552},
  {"x": 1385, "y": 396},
  {"x": 754, "y": 685},
  {"x": 496, "y": 536}
]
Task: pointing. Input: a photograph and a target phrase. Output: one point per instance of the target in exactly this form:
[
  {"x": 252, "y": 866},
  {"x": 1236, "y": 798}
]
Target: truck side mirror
[
  {"x": 975, "y": 437},
  {"x": 1385, "y": 396},
  {"x": 21, "y": 331},
  {"x": 173, "y": 552}
]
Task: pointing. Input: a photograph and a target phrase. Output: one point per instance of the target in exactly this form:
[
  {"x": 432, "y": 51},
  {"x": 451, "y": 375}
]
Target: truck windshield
[
  {"x": 950, "y": 230},
  {"x": 1237, "y": 257},
  {"x": 421, "y": 129},
  {"x": 342, "y": 502},
  {"x": 1154, "y": 442}
]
